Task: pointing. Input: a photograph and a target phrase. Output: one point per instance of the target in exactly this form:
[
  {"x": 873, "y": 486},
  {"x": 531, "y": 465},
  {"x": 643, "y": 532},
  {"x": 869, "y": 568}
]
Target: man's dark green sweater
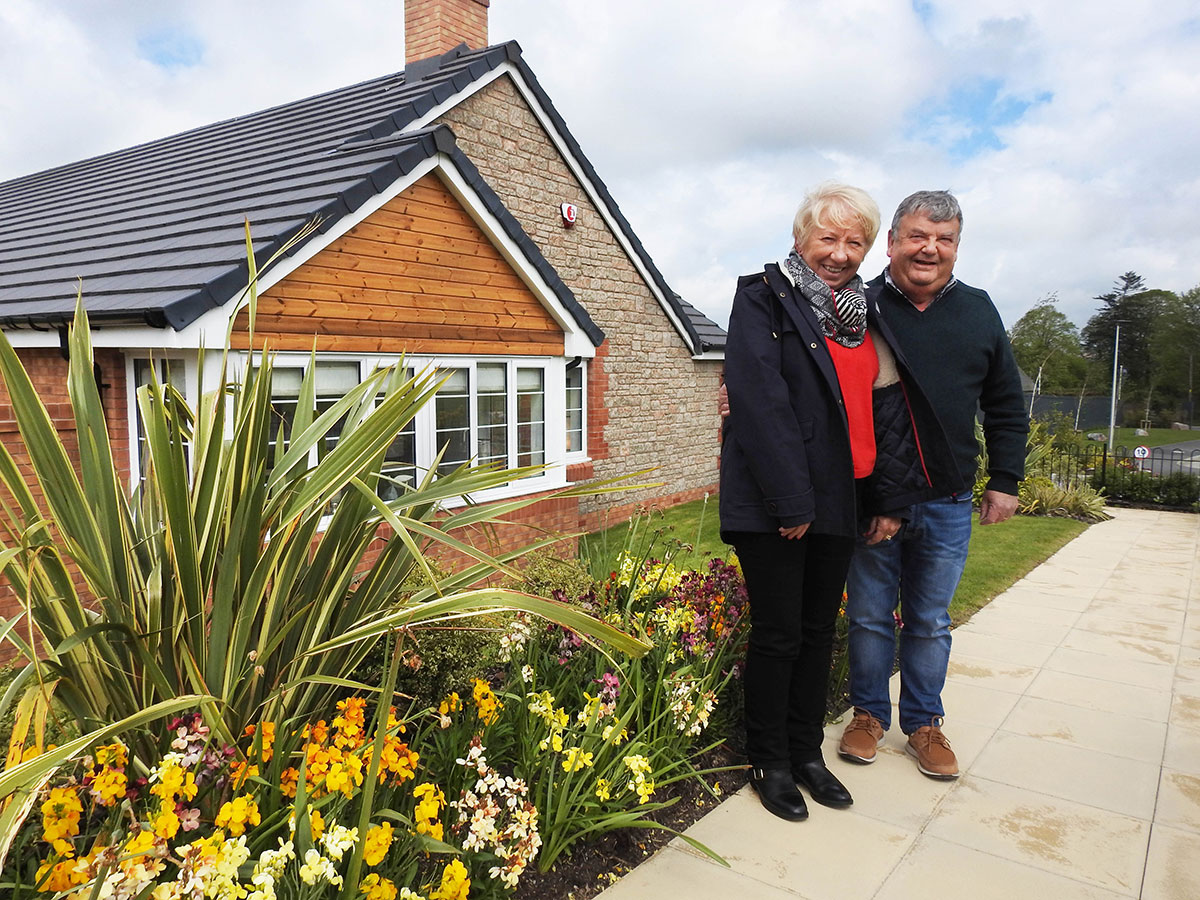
[{"x": 959, "y": 352}]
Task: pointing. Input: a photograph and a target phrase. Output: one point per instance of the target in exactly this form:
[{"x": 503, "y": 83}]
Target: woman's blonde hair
[{"x": 834, "y": 205}]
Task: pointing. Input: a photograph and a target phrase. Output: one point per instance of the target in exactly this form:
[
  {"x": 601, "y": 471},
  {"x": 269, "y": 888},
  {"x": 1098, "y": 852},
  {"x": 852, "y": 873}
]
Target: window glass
[
  {"x": 452, "y": 418},
  {"x": 400, "y": 461},
  {"x": 575, "y": 409},
  {"x": 531, "y": 417},
  {"x": 170, "y": 371},
  {"x": 491, "y": 405},
  {"x": 333, "y": 381}
]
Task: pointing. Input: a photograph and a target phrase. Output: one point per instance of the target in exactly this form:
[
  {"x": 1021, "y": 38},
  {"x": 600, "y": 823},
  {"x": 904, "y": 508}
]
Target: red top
[{"x": 856, "y": 370}]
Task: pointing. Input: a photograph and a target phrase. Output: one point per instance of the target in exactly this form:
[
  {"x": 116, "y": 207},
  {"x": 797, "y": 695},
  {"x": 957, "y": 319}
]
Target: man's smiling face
[{"x": 922, "y": 254}]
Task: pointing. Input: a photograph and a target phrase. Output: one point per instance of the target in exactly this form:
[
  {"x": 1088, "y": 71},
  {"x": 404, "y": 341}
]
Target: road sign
[{"x": 1141, "y": 451}]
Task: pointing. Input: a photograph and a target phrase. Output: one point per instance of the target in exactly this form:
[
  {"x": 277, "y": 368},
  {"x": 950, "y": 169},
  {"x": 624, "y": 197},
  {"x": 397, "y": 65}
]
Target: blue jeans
[{"x": 919, "y": 568}]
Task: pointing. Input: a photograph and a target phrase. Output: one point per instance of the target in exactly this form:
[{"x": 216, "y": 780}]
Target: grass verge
[
  {"x": 1003, "y": 554},
  {"x": 1158, "y": 437}
]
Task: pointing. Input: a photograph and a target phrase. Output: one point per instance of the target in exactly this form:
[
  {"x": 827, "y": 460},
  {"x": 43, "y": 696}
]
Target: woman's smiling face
[{"x": 833, "y": 252}]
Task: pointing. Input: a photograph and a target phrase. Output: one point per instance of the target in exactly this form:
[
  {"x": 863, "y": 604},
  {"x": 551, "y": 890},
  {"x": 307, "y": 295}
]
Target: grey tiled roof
[{"x": 156, "y": 232}]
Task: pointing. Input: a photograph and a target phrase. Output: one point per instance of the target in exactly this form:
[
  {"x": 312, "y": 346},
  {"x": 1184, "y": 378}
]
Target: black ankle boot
[
  {"x": 778, "y": 793},
  {"x": 821, "y": 783}
]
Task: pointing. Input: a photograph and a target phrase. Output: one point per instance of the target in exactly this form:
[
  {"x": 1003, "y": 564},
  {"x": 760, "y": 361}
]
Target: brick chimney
[{"x": 432, "y": 27}]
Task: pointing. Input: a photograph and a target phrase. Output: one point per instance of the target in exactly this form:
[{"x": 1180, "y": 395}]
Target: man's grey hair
[{"x": 937, "y": 206}]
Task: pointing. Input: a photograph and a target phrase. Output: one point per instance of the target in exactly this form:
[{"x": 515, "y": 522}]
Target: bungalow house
[{"x": 460, "y": 225}]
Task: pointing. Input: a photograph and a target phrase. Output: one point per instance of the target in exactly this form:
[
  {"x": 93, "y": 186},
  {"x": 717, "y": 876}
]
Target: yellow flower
[
  {"x": 428, "y": 811},
  {"x": 603, "y": 789},
  {"x": 350, "y": 723},
  {"x": 455, "y": 883},
  {"x": 610, "y": 730},
  {"x": 485, "y": 701},
  {"x": 638, "y": 765},
  {"x": 60, "y": 815},
  {"x": 378, "y": 842},
  {"x": 62, "y": 875},
  {"x": 172, "y": 781},
  {"x": 645, "y": 789},
  {"x": 166, "y": 823},
  {"x": 109, "y": 786},
  {"x": 345, "y": 774},
  {"x": 268, "y": 739},
  {"x": 237, "y": 814},
  {"x": 577, "y": 759},
  {"x": 376, "y": 888},
  {"x": 113, "y": 755},
  {"x": 316, "y": 823},
  {"x": 452, "y": 703}
]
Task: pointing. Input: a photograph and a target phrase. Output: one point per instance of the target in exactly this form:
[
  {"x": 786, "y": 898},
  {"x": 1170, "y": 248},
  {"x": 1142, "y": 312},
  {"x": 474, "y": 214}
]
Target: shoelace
[
  {"x": 936, "y": 737},
  {"x": 859, "y": 723}
]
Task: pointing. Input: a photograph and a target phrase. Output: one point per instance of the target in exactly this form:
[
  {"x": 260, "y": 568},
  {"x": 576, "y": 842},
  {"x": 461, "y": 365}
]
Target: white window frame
[
  {"x": 580, "y": 455},
  {"x": 180, "y": 362},
  {"x": 554, "y": 406}
]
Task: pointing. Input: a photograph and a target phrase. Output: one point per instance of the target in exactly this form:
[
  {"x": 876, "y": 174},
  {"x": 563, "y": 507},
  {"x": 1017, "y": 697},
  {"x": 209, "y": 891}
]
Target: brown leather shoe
[
  {"x": 862, "y": 738},
  {"x": 929, "y": 747}
]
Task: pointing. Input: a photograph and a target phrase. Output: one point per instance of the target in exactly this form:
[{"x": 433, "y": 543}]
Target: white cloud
[{"x": 709, "y": 120}]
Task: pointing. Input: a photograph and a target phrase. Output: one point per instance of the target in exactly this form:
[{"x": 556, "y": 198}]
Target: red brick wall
[
  {"x": 432, "y": 27},
  {"x": 48, "y": 371}
]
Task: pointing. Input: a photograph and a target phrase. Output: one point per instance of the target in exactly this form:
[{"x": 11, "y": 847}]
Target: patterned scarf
[{"x": 842, "y": 313}]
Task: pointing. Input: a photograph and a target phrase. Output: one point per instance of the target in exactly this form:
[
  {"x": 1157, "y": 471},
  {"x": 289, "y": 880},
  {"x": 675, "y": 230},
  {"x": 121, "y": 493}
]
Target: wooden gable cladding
[{"x": 416, "y": 276}]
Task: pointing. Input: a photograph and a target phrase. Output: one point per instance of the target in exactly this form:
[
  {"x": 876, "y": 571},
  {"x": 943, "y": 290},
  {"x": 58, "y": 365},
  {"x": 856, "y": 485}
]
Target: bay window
[{"x": 506, "y": 412}]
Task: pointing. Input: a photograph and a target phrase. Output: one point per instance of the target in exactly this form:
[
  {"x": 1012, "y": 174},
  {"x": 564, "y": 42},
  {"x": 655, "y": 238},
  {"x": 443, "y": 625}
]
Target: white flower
[
  {"x": 337, "y": 839},
  {"x": 317, "y": 867}
]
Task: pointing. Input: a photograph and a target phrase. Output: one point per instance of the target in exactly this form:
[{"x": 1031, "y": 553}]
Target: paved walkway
[{"x": 1073, "y": 704}]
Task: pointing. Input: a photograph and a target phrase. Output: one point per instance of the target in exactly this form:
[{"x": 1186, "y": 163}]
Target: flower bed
[{"x": 562, "y": 744}]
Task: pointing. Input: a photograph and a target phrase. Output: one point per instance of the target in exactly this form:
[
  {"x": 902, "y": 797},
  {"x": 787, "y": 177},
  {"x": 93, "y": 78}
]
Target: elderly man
[{"x": 958, "y": 350}]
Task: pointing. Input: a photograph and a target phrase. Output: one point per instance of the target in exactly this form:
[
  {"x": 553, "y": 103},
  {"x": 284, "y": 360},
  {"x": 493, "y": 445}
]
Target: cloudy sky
[{"x": 1069, "y": 130}]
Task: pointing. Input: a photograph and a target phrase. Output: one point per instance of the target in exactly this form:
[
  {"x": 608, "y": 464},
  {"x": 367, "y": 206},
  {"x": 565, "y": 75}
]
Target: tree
[
  {"x": 1044, "y": 340},
  {"x": 1175, "y": 349},
  {"x": 1137, "y": 311}
]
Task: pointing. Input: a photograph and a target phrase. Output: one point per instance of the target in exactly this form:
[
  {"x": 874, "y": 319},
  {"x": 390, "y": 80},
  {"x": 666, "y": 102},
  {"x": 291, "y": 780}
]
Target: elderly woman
[{"x": 812, "y": 380}]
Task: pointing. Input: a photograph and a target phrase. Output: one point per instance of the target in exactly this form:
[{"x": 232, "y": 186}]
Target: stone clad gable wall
[{"x": 654, "y": 406}]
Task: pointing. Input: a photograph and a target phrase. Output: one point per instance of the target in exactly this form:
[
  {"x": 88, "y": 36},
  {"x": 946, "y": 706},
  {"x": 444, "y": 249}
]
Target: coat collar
[{"x": 802, "y": 316}]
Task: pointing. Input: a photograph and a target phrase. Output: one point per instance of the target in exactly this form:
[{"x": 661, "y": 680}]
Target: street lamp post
[{"x": 1112, "y": 411}]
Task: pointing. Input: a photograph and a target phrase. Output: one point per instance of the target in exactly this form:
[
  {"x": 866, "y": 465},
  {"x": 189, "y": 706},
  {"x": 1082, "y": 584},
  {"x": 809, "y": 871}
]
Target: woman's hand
[
  {"x": 795, "y": 532},
  {"x": 882, "y": 528}
]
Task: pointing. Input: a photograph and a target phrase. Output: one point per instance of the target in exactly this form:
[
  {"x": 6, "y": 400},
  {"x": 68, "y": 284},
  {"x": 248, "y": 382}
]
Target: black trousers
[{"x": 795, "y": 589}]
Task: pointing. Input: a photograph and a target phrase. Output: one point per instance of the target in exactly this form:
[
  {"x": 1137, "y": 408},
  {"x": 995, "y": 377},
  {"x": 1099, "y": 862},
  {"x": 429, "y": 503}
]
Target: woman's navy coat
[{"x": 785, "y": 459}]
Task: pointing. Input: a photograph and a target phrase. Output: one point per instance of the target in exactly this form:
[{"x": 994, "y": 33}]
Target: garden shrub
[
  {"x": 1047, "y": 489},
  {"x": 1179, "y": 489},
  {"x": 545, "y": 572},
  {"x": 1123, "y": 482},
  {"x": 1040, "y": 496}
]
